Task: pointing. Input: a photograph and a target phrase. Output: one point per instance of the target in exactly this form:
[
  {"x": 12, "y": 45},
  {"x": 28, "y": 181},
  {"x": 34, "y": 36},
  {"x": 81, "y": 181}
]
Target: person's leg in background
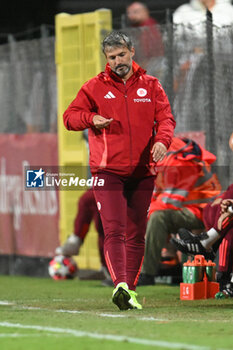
[
  {"x": 225, "y": 262},
  {"x": 217, "y": 224},
  {"x": 86, "y": 210},
  {"x": 85, "y": 214},
  {"x": 160, "y": 224}
]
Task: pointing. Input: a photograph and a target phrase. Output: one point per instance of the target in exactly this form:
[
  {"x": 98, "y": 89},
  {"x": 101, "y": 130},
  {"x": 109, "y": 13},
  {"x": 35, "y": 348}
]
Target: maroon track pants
[
  {"x": 123, "y": 204},
  {"x": 211, "y": 216},
  {"x": 225, "y": 262}
]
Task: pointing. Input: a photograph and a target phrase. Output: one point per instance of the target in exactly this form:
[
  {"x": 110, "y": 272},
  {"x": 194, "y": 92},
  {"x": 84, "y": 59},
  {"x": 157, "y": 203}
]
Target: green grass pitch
[{"x": 39, "y": 313}]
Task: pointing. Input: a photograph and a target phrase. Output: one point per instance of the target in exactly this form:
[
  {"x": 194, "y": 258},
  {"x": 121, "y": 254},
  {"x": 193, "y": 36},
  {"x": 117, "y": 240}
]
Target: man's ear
[{"x": 132, "y": 51}]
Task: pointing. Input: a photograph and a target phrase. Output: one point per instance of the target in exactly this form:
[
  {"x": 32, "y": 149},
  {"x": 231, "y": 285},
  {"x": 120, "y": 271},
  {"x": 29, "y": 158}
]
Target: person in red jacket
[
  {"x": 129, "y": 121},
  {"x": 147, "y": 37},
  {"x": 150, "y": 40},
  {"x": 184, "y": 185}
]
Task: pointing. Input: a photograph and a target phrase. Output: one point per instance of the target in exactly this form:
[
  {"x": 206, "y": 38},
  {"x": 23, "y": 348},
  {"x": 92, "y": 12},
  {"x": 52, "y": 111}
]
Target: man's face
[
  {"x": 136, "y": 14},
  {"x": 207, "y": 3},
  {"x": 120, "y": 60}
]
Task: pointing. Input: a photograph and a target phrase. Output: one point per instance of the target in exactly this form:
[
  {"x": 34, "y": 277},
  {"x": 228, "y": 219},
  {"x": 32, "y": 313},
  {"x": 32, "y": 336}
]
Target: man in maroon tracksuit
[{"x": 129, "y": 121}]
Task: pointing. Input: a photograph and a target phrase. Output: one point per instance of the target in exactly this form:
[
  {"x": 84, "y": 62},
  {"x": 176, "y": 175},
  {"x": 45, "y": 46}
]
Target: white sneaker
[{"x": 70, "y": 247}]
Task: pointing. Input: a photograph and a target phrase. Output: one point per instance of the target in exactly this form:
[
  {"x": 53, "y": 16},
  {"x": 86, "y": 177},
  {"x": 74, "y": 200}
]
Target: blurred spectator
[
  {"x": 146, "y": 33},
  {"x": 86, "y": 213},
  {"x": 190, "y": 42},
  {"x": 183, "y": 186},
  {"x": 195, "y": 12},
  {"x": 138, "y": 15}
]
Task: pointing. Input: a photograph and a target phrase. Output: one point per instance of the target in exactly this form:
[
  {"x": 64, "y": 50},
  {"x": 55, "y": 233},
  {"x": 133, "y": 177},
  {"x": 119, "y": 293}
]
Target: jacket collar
[{"x": 137, "y": 71}]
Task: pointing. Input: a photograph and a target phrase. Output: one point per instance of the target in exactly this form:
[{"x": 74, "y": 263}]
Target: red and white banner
[{"x": 28, "y": 219}]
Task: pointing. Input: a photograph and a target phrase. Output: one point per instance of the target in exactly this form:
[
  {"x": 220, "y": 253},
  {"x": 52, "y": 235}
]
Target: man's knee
[{"x": 158, "y": 219}]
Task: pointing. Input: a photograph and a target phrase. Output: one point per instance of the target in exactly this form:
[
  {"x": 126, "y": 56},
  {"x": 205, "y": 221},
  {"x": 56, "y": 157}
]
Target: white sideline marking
[
  {"x": 5, "y": 302},
  {"x": 81, "y": 312},
  {"x": 151, "y": 318},
  {"x": 21, "y": 335},
  {"x": 67, "y": 311},
  {"x": 117, "y": 338},
  {"x": 110, "y": 315},
  {"x": 29, "y": 307},
  {"x": 144, "y": 318}
]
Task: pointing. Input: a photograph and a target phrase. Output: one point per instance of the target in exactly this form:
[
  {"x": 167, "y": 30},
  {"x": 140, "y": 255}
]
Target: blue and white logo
[{"x": 35, "y": 178}]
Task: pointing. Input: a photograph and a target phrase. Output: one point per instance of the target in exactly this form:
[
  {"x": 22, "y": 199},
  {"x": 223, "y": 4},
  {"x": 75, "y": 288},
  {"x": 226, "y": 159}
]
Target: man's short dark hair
[{"x": 117, "y": 39}]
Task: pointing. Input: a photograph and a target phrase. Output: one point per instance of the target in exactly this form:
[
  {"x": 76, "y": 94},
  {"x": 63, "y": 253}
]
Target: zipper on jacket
[{"x": 130, "y": 132}]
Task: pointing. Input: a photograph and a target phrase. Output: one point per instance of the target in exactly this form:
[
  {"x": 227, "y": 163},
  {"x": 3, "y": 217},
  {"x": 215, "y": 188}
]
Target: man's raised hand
[{"x": 101, "y": 122}]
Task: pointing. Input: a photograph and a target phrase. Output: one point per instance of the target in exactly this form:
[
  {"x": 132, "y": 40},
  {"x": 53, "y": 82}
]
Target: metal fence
[
  {"x": 196, "y": 70},
  {"x": 193, "y": 63},
  {"x": 28, "y": 86}
]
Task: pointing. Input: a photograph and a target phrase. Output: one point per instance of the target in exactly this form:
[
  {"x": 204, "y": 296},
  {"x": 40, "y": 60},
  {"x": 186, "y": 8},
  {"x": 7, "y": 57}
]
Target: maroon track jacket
[{"x": 140, "y": 109}]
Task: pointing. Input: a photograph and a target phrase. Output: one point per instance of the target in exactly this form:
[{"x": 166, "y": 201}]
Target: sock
[{"x": 213, "y": 236}]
